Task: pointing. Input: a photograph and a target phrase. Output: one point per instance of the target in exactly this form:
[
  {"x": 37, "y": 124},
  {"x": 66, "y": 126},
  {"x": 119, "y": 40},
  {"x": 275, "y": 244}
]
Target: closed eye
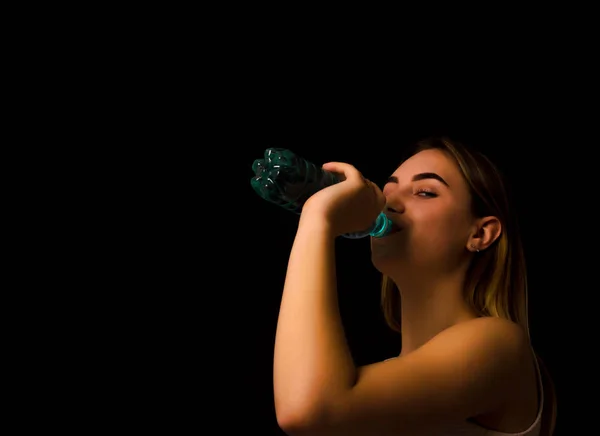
[{"x": 426, "y": 193}]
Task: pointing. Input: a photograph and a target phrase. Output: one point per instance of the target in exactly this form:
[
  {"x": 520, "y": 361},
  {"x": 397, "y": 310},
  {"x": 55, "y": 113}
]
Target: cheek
[{"x": 442, "y": 229}]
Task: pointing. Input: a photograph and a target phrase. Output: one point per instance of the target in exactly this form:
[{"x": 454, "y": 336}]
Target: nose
[
  {"x": 394, "y": 202},
  {"x": 395, "y": 206}
]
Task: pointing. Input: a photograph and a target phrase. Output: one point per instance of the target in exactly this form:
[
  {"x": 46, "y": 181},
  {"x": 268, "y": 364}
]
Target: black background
[
  {"x": 182, "y": 264},
  {"x": 219, "y": 251}
]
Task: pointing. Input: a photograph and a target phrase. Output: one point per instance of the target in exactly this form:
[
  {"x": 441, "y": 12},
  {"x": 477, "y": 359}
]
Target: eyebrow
[{"x": 421, "y": 176}]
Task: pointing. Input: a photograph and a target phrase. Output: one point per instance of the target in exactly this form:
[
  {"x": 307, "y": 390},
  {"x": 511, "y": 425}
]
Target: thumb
[{"x": 343, "y": 169}]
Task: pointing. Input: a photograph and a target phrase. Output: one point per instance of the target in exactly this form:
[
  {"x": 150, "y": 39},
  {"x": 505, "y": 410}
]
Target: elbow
[
  {"x": 292, "y": 425},
  {"x": 298, "y": 421}
]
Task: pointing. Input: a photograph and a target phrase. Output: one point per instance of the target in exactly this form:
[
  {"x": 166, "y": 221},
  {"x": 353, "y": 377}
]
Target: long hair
[{"x": 496, "y": 282}]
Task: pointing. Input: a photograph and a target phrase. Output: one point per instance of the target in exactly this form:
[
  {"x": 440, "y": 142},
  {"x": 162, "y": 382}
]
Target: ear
[{"x": 485, "y": 232}]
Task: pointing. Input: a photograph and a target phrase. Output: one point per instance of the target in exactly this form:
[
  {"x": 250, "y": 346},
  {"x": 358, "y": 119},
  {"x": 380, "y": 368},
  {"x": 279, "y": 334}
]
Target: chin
[
  {"x": 386, "y": 261},
  {"x": 386, "y": 246}
]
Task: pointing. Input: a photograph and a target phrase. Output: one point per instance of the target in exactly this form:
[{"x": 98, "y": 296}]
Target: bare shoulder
[
  {"x": 496, "y": 347},
  {"x": 507, "y": 335},
  {"x": 471, "y": 369},
  {"x": 501, "y": 350}
]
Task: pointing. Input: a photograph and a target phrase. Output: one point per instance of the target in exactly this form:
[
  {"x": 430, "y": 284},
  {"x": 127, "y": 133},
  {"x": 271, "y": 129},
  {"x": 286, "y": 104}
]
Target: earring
[{"x": 473, "y": 247}]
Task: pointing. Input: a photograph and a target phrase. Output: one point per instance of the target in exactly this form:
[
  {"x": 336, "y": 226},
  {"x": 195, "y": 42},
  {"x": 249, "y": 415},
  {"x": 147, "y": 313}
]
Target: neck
[{"x": 429, "y": 307}]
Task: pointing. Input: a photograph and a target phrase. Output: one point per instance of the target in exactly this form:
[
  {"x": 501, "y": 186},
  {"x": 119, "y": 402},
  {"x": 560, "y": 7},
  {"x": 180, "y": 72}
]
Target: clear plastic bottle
[{"x": 288, "y": 180}]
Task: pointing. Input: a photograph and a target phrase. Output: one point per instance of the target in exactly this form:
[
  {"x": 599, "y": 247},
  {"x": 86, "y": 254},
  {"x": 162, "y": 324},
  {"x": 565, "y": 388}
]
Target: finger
[
  {"x": 346, "y": 170},
  {"x": 380, "y": 198}
]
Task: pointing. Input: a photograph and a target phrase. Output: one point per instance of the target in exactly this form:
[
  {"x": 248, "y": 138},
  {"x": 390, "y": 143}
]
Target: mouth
[{"x": 395, "y": 229}]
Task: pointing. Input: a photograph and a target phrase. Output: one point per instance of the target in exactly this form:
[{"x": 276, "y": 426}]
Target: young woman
[{"x": 454, "y": 286}]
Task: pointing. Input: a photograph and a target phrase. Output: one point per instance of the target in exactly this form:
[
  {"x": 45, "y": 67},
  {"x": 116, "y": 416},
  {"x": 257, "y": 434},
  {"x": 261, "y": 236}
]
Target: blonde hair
[{"x": 496, "y": 282}]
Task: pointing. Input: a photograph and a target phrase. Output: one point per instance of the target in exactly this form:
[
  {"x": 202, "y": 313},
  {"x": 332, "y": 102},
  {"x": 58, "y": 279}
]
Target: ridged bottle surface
[{"x": 286, "y": 179}]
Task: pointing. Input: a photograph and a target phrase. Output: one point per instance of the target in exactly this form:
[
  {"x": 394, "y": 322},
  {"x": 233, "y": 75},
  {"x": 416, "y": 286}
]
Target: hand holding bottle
[
  {"x": 348, "y": 206},
  {"x": 286, "y": 179}
]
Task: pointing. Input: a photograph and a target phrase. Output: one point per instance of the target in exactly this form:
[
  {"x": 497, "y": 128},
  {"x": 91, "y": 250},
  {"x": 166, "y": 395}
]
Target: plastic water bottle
[{"x": 288, "y": 180}]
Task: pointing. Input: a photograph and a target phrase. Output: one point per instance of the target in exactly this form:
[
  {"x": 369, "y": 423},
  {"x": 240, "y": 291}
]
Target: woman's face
[{"x": 428, "y": 198}]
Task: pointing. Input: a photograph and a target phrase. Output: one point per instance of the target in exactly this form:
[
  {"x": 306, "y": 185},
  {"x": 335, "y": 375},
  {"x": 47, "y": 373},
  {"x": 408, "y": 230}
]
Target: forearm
[{"x": 312, "y": 361}]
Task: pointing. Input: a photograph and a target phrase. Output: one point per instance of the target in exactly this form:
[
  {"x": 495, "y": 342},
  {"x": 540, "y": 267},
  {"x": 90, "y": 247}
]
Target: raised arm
[{"x": 312, "y": 361}]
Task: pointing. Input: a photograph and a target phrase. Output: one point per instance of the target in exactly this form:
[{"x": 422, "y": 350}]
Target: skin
[{"x": 454, "y": 366}]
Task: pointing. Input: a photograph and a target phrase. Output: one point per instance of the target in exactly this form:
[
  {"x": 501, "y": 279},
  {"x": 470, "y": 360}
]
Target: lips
[{"x": 395, "y": 229}]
